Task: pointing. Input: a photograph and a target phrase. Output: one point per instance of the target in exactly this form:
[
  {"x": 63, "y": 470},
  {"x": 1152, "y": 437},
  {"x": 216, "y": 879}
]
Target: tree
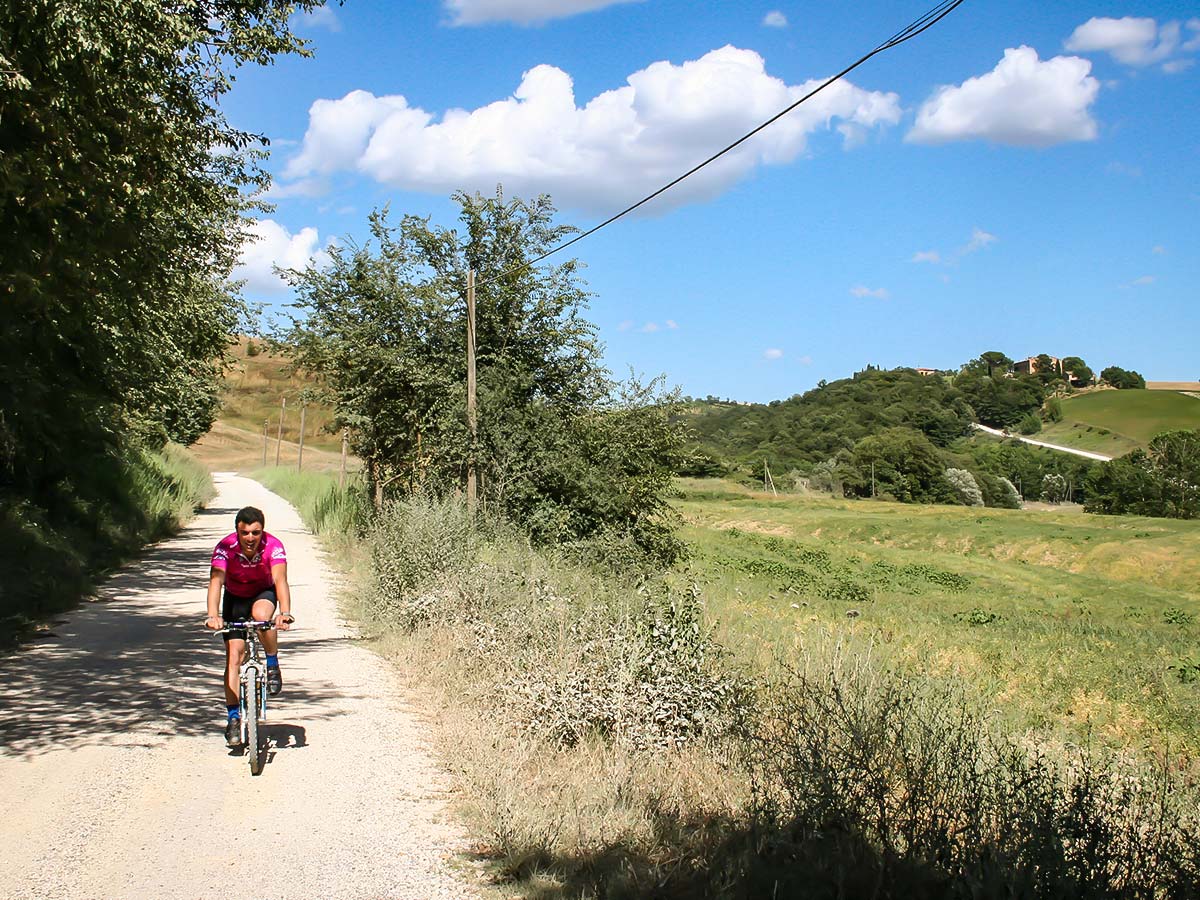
[
  {"x": 998, "y": 491},
  {"x": 1054, "y": 488},
  {"x": 561, "y": 447},
  {"x": 1047, "y": 369},
  {"x": 1175, "y": 458},
  {"x": 1001, "y": 402},
  {"x": 991, "y": 363},
  {"x": 1077, "y": 370},
  {"x": 1128, "y": 485},
  {"x": 965, "y": 486},
  {"x": 906, "y": 466},
  {"x": 1122, "y": 379},
  {"x": 122, "y": 215}
]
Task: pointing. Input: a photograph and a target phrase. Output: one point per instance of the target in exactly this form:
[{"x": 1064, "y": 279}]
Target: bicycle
[{"x": 252, "y": 691}]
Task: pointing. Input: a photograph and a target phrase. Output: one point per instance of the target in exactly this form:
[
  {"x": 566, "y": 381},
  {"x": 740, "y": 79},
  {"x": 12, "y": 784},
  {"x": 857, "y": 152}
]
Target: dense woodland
[{"x": 123, "y": 203}]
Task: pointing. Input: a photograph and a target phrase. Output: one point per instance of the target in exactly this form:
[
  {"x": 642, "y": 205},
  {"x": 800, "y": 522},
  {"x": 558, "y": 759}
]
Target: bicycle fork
[{"x": 260, "y": 682}]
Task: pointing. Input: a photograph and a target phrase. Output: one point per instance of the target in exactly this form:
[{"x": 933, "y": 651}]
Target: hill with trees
[{"x": 903, "y": 433}]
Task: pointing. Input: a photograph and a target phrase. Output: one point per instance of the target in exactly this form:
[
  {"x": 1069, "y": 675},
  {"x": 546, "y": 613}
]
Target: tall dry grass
[{"x": 605, "y": 745}]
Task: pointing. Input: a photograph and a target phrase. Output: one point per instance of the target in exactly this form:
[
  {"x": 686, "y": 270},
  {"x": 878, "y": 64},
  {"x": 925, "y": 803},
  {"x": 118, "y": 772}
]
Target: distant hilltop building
[
  {"x": 1030, "y": 366},
  {"x": 921, "y": 371}
]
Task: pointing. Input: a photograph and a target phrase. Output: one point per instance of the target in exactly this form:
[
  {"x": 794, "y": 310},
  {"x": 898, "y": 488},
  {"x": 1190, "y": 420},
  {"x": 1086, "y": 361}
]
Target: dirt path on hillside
[{"x": 115, "y": 781}]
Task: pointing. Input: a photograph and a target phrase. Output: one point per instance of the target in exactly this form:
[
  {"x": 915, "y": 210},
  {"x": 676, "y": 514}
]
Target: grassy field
[
  {"x": 1065, "y": 623},
  {"x": 1115, "y": 422},
  {"x": 256, "y": 384}
]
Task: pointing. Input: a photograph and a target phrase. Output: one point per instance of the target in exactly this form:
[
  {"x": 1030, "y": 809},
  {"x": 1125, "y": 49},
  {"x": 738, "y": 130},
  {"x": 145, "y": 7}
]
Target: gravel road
[{"x": 115, "y": 781}]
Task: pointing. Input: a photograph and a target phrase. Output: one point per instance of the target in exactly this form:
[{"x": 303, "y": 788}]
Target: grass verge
[
  {"x": 88, "y": 528},
  {"x": 607, "y": 745}
]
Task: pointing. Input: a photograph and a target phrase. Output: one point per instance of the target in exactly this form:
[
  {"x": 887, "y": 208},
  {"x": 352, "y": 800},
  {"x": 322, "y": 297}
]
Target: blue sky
[{"x": 1024, "y": 176}]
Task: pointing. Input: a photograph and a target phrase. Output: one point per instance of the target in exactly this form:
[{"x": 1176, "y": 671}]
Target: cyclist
[{"x": 251, "y": 566}]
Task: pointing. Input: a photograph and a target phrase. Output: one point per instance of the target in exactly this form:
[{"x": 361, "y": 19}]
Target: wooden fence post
[{"x": 279, "y": 439}]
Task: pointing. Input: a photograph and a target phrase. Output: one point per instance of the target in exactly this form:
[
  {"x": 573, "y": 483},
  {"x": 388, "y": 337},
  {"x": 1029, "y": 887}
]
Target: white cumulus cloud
[
  {"x": 1023, "y": 101},
  {"x": 522, "y": 12},
  {"x": 268, "y": 244},
  {"x": 617, "y": 147},
  {"x": 775, "y": 19},
  {"x": 861, "y": 291},
  {"x": 1132, "y": 41},
  {"x": 927, "y": 256},
  {"x": 772, "y": 353}
]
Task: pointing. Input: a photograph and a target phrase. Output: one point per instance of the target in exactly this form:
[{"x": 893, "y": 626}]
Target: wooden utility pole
[
  {"x": 472, "y": 423},
  {"x": 300, "y": 455},
  {"x": 279, "y": 439},
  {"x": 768, "y": 481},
  {"x": 342, "y": 474},
  {"x": 872, "y": 479},
  {"x": 266, "y": 439}
]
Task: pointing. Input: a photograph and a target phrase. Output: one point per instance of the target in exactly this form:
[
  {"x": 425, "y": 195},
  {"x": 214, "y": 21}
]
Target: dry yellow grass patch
[
  {"x": 226, "y": 448},
  {"x": 960, "y": 662},
  {"x": 753, "y": 525},
  {"x": 1116, "y": 719}
]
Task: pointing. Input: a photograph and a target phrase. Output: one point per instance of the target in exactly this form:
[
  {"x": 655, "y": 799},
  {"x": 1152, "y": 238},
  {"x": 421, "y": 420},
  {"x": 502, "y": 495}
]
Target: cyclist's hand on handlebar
[
  {"x": 283, "y": 621},
  {"x": 214, "y": 623}
]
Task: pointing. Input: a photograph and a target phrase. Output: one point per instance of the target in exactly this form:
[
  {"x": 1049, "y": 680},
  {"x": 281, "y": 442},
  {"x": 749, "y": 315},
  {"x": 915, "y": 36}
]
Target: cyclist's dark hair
[{"x": 250, "y": 515}]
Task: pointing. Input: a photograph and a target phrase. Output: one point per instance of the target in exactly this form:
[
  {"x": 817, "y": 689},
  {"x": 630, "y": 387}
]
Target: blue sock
[
  {"x": 273, "y": 661},
  {"x": 233, "y": 712}
]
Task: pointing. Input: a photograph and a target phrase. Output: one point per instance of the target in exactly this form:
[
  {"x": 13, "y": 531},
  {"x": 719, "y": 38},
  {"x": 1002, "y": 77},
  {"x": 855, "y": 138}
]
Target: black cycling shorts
[{"x": 238, "y": 609}]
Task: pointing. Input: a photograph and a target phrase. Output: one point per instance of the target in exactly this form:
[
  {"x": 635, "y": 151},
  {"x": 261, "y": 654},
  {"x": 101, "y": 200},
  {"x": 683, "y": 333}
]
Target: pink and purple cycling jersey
[{"x": 248, "y": 577}]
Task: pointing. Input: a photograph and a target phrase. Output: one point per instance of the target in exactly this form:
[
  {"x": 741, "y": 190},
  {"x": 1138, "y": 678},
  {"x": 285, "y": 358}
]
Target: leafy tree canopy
[
  {"x": 561, "y": 448},
  {"x": 1163, "y": 480},
  {"x": 1122, "y": 379},
  {"x": 124, "y": 191}
]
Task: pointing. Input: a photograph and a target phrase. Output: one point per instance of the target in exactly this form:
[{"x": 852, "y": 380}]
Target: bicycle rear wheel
[{"x": 253, "y": 738}]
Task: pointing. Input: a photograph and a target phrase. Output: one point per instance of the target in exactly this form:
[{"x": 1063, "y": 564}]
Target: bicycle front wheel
[{"x": 252, "y": 729}]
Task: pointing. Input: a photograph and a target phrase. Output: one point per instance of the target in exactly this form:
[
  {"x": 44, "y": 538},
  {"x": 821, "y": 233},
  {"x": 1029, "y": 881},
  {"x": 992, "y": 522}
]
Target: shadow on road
[{"x": 119, "y": 672}]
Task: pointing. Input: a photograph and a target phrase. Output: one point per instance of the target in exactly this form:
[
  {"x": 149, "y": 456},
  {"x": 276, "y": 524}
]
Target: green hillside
[
  {"x": 256, "y": 384},
  {"x": 1115, "y": 422}
]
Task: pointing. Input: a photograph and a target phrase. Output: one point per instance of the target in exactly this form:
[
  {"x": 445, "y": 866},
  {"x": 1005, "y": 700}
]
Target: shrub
[
  {"x": 1030, "y": 424},
  {"x": 998, "y": 492},
  {"x": 890, "y": 786},
  {"x": 1054, "y": 488},
  {"x": 1053, "y": 409},
  {"x": 964, "y": 485},
  {"x": 651, "y": 679},
  {"x": 1176, "y": 616}
]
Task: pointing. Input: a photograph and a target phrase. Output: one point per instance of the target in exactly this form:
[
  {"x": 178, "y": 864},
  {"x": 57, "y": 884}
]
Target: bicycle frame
[{"x": 253, "y": 661}]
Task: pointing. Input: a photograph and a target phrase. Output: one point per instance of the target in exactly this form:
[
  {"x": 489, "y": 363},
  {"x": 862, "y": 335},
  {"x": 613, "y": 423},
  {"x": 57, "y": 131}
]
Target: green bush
[
  {"x": 1030, "y": 424},
  {"x": 90, "y": 524},
  {"x": 998, "y": 492}
]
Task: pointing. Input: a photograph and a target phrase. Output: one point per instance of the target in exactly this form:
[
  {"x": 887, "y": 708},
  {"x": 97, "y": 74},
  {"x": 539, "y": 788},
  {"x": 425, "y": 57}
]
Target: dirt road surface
[{"x": 115, "y": 781}]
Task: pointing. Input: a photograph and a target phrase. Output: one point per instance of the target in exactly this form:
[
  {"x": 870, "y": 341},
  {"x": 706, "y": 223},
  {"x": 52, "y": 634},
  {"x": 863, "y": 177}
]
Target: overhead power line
[{"x": 924, "y": 23}]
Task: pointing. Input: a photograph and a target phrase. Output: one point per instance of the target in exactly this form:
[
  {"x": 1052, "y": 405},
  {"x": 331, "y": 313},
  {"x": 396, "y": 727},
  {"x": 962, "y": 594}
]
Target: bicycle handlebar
[{"x": 245, "y": 626}]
